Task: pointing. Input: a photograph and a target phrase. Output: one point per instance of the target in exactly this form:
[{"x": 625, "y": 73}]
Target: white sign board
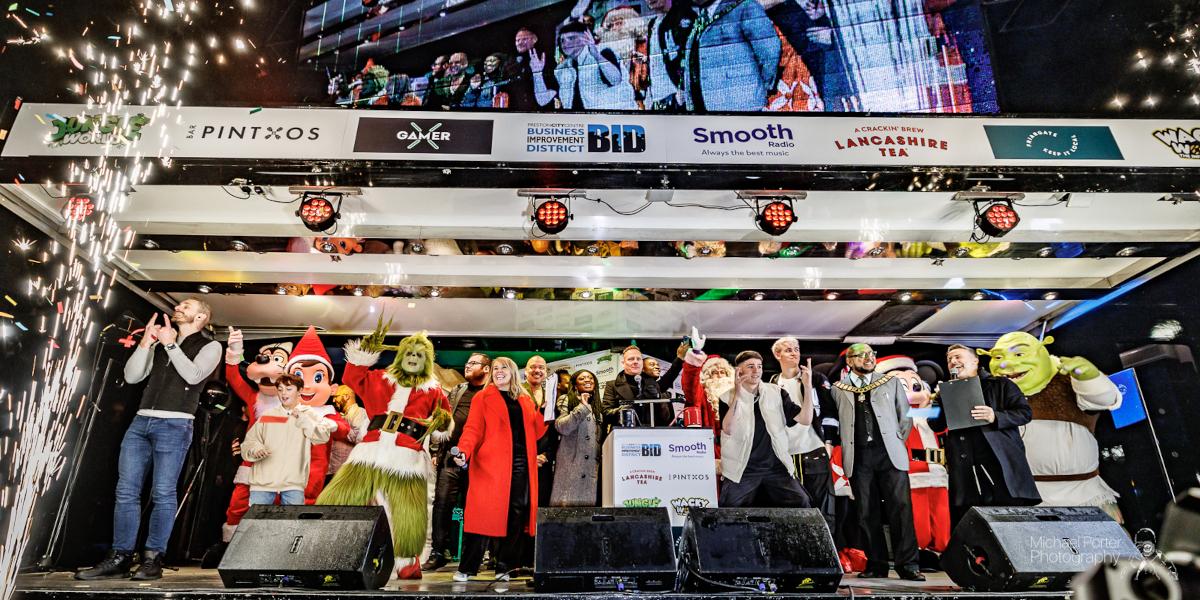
[{"x": 650, "y": 467}]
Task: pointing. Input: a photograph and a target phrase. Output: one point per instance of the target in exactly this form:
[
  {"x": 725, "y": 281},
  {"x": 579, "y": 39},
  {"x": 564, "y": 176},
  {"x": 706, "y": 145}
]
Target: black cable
[
  {"x": 612, "y": 208},
  {"x": 246, "y": 197}
]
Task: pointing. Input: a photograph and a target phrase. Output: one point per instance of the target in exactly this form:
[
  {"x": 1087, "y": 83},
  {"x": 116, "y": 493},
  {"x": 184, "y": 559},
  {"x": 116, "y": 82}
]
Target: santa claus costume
[
  {"x": 258, "y": 398},
  {"x": 390, "y": 467},
  {"x": 310, "y": 363}
]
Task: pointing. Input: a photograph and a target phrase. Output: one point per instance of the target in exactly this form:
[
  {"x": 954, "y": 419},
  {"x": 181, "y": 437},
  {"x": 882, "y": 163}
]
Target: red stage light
[
  {"x": 997, "y": 219},
  {"x": 79, "y": 208},
  {"x": 551, "y": 216},
  {"x": 776, "y": 218},
  {"x": 317, "y": 213}
]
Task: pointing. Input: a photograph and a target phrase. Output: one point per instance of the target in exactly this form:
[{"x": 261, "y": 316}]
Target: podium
[{"x": 648, "y": 467}]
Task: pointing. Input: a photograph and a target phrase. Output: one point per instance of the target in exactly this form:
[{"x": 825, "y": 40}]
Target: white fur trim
[
  {"x": 385, "y": 455},
  {"x": 314, "y": 357},
  {"x": 355, "y": 355},
  {"x": 696, "y": 359},
  {"x": 399, "y": 399},
  {"x": 441, "y": 436},
  {"x": 429, "y": 384},
  {"x": 243, "y": 475}
]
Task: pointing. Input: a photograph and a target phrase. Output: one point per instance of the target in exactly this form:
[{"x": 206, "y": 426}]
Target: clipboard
[{"x": 958, "y": 397}]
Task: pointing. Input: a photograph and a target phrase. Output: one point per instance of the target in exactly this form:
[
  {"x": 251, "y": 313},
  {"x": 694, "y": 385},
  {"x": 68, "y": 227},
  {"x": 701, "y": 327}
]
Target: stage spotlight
[
  {"x": 962, "y": 252},
  {"x": 203, "y": 289},
  {"x": 1127, "y": 251},
  {"x": 417, "y": 247},
  {"x": 758, "y": 296},
  {"x": 510, "y": 294},
  {"x": 281, "y": 290},
  {"x": 504, "y": 248},
  {"x": 358, "y": 291},
  {"x": 1051, "y": 295},
  {"x": 551, "y": 215},
  {"x": 832, "y": 295},
  {"x": 150, "y": 244},
  {"x": 997, "y": 218},
  {"x": 585, "y": 294},
  {"x": 317, "y": 212},
  {"x": 1045, "y": 252},
  {"x": 978, "y": 296},
  {"x": 435, "y": 293},
  {"x": 239, "y": 246},
  {"x": 776, "y": 217},
  {"x": 906, "y": 296}
]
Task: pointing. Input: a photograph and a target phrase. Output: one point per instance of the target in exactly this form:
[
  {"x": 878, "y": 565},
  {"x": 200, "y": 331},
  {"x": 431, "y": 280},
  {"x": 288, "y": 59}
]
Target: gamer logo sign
[{"x": 423, "y": 136}]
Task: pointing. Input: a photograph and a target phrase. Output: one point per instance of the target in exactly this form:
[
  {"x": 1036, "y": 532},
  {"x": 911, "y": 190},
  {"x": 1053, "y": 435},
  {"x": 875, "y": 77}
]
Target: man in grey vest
[
  {"x": 756, "y": 457},
  {"x": 176, "y": 361},
  {"x": 872, "y": 411}
]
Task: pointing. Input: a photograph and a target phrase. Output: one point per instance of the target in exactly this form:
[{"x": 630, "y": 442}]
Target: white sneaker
[
  {"x": 502, "y": 577},
  {"x": 460, "y": 576}
]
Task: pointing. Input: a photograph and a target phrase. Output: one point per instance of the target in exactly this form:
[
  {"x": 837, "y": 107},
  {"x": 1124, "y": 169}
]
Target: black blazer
[{"x": 1003, "y": 437}]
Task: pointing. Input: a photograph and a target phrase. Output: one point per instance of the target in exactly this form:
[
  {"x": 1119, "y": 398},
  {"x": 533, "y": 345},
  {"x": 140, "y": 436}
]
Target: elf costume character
[
  {"x": 259, "y": 395},
  {"x": 928, "y": 479},
  {"x": 310, "y": 363},
  {"x": 390, "y": 467},
  {"x": 1067, "y": 395}
]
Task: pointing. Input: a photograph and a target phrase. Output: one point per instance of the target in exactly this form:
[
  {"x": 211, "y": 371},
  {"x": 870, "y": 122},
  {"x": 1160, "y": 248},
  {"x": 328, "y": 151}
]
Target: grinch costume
[
  {"x": 1067, "y": 396},
  {"x": 390, "y": 467}
]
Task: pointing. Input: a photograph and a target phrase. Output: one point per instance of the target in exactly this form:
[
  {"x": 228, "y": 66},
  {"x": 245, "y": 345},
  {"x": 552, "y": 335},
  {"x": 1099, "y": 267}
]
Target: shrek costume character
[
  {"x": 1067, "y": 395},
  {"x": 390, "y": 467}
]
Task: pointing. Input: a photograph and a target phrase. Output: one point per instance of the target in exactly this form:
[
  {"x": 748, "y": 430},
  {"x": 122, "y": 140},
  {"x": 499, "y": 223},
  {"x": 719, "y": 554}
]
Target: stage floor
[{"x": 193, "y": 582}]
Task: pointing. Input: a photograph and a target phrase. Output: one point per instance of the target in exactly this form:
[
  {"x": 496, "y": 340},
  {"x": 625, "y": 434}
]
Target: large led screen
[{"x": 680, "y": 56}]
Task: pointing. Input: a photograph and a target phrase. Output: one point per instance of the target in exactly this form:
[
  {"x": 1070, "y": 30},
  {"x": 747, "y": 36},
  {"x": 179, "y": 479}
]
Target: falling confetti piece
[
  {"x": 254, "y": 110},
  {"x": 6, "y": 315},
  {"x": 20, "y": 326},
  {"x": 54, "y": 117},
  {"x": 21, "y": 177},
  {"x": 114, "y": 37},
  {"x": 17, "y": 103},
  {"x": 10, "y": 300},
  {"x": 32, "y": 12},
  {"x": 12, "y": 7},
  {"x": 95, "y": 297},
  {"x": 60, "y": 308},
  {"x": 39, "y": 118}
]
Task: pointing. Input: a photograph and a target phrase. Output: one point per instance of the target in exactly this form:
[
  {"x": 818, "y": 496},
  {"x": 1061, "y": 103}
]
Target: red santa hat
[
  {"x": 895, "y": 362},
  {"x": 310, "y": 348}
]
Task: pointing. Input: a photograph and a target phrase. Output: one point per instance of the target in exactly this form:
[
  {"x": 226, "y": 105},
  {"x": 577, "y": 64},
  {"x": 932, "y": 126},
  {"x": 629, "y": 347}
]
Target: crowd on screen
[{"x": 711, "y": 56}]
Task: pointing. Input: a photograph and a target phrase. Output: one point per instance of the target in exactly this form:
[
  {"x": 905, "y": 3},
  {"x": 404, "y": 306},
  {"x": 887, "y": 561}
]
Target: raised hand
[
  {"x": 537, "y": 62},
  {"x": 150, "y": 335},
  {"x": 682, "y": 350},
  {"x": 806, "y": 375},
  {"x": 236, "y": 344},
  {"x": 697, "y": 339},
  {"x": 585, "y": 398},
  {"x": 166, "y": 333},
  {"x": 1078, "y": 367},
  {"x": 374, "y": 341}
]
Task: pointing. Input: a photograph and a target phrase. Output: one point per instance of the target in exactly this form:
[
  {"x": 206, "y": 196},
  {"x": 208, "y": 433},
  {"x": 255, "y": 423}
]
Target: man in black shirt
[
  {"x": 451, "y": 478},
  {"x": 755, "y": 454},
  {"x": 628, "y": 388}
]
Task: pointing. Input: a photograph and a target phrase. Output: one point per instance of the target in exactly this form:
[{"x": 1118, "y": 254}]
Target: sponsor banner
[
  {"x": 328, "y": 133},
  {"x": 1052, "y": 142},
  {"x": 675, "y": 468}
]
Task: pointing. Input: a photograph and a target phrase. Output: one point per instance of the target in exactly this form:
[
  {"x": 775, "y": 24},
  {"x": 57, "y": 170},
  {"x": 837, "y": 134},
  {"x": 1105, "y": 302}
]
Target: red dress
[{"x": 486, "y": 443}]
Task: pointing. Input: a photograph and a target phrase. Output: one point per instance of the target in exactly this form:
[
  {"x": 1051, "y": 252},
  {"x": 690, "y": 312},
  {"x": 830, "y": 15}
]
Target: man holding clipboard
[{"x": 984, "y": 452}]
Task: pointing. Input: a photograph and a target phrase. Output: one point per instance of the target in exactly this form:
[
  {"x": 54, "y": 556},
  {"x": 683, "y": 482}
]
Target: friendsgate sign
[{"x": 503, "y": 137}]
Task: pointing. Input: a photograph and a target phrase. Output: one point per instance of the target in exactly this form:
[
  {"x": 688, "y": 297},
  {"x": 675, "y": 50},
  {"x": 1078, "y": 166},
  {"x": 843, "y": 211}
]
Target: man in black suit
[
  {"x": 629, "y": 387},
  {"x": 987, "y": 464}
]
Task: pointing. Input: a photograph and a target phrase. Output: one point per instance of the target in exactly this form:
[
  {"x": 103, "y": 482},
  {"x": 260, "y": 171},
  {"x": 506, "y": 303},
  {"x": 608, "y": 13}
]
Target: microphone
[
  {"x": 456, "y": 453},
  {"x": 953, "y": 373}
]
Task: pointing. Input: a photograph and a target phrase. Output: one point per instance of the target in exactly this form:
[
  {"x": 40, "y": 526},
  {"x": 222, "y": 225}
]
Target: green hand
[
  {"x": 374, "y": 341},
  {"x": 1079, "y": 368}
]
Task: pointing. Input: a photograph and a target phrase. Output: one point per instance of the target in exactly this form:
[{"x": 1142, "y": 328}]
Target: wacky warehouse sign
[{"x": 421, "y": 136}]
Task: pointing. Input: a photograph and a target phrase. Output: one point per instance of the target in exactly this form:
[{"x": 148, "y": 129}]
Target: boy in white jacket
[{"x": 279, "y": 444}]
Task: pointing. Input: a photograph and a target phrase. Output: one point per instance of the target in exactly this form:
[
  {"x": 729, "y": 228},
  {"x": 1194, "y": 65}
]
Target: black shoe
[
  {"x": 151, "y": 567},
  {"x": 214, "y": 554},
  {"x": 436, "y": 561},
  {"x": 874, "y": 574},
  {"x": 910, "y": 573},
  {"x": 115, "y": 566}
]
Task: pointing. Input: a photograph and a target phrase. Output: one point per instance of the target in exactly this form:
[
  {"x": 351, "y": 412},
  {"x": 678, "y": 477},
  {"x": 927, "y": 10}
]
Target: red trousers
[
  {"x": 239, "y": 503},
  {"x": 931, "y": 517}
]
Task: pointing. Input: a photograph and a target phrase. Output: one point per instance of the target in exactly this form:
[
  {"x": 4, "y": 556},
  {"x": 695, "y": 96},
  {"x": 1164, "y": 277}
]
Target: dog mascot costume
[
  {"x": 390, "y": 467},
  {"x": 1067, "y": 395}
]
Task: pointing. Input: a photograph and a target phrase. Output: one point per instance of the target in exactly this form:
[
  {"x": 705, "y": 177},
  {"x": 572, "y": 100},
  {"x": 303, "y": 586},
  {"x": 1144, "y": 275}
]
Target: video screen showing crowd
[
  {"x": 669, "y": 56},
  {"x": 868, "y": 440}
]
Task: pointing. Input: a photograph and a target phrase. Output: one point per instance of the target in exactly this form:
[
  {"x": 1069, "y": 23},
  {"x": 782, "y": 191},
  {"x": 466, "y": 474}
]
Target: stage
[{"x": 193, "y": 582}]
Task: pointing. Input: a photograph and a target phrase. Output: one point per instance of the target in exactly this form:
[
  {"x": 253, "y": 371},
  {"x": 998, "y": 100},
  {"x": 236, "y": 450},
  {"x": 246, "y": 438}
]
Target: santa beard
[{"x": 717, "y": 387}]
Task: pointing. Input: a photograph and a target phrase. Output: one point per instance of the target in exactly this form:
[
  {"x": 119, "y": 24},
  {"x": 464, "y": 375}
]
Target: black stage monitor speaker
[
  {"x": 766, "y": 549},
  {"x": 1010, "y": 549},
  {"x": 326, "y": 547},
  {"x": 588, "y": 549}
]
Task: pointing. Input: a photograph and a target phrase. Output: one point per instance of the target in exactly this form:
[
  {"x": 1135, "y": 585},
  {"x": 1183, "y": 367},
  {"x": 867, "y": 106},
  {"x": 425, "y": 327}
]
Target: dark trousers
[
  {"x": 775, "y": 489},
  {"x": 448, "y": 494},
  {"x": 508, "y": 549},
  {"x": 817, "y": 479},
  {"x": 875, "y": 482}
]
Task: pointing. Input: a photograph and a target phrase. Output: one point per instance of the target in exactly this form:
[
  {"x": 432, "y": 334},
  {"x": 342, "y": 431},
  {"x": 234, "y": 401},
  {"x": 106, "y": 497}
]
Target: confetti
[
  {"x": 114, "y": 37},
  {"x": 255, "y": 110},
  {"x": 12, "y": 7},
  {"x": 54, "y": 117},
  {"x": 10, "y": 300},
  {"x": 60, "y": 307},
  {"x": 32, "y": 12},
  {"x": 39, "y": 118},
  {"x": 20, "y": 326},
  {"x": 6, "y": 315}
]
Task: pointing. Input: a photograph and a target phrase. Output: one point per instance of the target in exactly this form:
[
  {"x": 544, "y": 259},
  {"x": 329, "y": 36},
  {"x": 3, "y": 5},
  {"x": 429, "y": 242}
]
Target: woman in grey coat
[{"x": 578, "y": 458}]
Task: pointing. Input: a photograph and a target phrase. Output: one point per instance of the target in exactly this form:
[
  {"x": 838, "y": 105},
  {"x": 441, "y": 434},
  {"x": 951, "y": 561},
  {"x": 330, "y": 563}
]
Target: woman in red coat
[{"x": 499, "y": 445}]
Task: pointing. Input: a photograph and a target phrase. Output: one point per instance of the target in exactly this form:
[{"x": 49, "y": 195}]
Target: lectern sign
[{"x": 651, "y": 467}]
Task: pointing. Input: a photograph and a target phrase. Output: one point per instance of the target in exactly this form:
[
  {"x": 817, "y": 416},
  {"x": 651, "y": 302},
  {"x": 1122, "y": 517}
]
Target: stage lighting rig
[
  {"x": 317, "y": 211},
  {"x": 774, "y": 211},
  {"x": 551, "y": 209},
  {"x": 995, "y": 215}
]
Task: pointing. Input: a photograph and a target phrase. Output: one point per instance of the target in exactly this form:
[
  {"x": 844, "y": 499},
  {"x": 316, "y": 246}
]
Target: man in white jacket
[{"x": 756, "y": 457}]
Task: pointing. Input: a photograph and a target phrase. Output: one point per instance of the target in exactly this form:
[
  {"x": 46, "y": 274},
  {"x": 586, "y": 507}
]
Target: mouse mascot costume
[
  {"x": 257, "y": 391},
  {"x": 927, "y": 475},
  {"x": 309, "y": 362},
  {"x": 390, "y": 467},
  {"x": 1067, "y": 395}
]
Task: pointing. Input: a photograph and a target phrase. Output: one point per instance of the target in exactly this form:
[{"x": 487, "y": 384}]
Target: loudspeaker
[
  {"x": 587, "y": 549},
  {"x": 1008, "y": 549},
  {"x": 764, "y": 549},
  {"x": 326, "y": 547}
]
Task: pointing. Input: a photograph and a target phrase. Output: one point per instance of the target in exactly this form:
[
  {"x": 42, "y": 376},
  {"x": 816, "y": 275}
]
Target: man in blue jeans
[{"x": 176, "y": 361}]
